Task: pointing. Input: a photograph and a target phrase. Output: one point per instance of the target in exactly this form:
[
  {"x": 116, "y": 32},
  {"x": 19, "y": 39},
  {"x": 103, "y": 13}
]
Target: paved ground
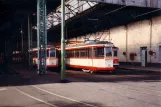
[
  {"x": 124, "y": 88},
  {"x": 133, "y": 67}
]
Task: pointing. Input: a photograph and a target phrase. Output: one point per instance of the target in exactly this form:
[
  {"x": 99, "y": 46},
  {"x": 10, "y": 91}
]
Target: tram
[
  {"x": 93, "y": 56},
  {"x": 52, "y": 59},
  {"x": 17, "y": 57}
]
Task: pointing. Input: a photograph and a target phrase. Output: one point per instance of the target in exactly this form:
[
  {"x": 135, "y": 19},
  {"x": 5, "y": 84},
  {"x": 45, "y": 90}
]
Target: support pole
[
  {"x": 41, "y": 36},
  {"x": 21, "y": 39},
  {"x": 29, "y": 43},
  {"x": 62, "y": 40}
]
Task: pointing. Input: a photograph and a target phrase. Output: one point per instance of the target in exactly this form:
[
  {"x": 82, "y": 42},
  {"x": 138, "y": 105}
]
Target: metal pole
[
  {"x": 29, "y": 43},
  {"x": 21, "y": 38},
  {"x": 29, "y": 51},
  {"x": 38, "y": 20},
  {"x": 41, "y": 36},
  {"x": 45, "y": 34},
  {"x": 62, "y": 40}
]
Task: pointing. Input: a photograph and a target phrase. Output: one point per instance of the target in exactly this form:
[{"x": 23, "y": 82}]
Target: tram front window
[
  {"x": 52, "y": 53},
  {"x": 34, "y": 54},
  {"x": 115, "y": 53},
  {"x": 108, "y": 52}
]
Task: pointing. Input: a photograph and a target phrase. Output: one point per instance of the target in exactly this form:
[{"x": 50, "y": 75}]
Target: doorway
[
  {"x": 159, "y": 53},
  {"x": 143, "y": 56}
]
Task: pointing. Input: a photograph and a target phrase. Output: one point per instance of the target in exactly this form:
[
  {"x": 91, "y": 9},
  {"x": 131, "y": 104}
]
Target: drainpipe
[
  {"x": 126, "y": 28},
  {"x": 151, "y": 30}
]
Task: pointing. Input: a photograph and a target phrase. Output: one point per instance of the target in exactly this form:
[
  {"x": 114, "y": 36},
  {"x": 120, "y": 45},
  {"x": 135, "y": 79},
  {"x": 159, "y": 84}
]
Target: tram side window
[
  {"x": 52, "y": 53},
  {"x": 34, "y": 54},
  {"x": 108, "y": 52},
  {"x": 67, "y": 54},
  {"x": 89, "y": 50},
  {"x": 99, "y": 52},
  {"x": 72, "y": 53},
  {"x": 47, "y": 55},
  {"x": 76, "y": 53},
  {"x": 83, "y": 53}
]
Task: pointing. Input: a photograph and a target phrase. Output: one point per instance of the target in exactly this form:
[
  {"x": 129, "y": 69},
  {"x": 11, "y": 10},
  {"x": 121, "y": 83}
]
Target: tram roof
[{"x": 89, "y": 43}]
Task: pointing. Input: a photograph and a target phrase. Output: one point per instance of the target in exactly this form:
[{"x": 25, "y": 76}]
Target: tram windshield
[
  {"x": 115, "y": 51},
  {"x": 108, "y": 52},
  {"x": 34, "y": 54},
  {"x": 52, "y": 53}
]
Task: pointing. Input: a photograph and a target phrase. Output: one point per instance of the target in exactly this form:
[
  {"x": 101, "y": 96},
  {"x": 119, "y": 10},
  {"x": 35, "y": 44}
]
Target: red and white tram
[
  {"x": 93, "y": 56},
  {"x": 52, "y": 60}
]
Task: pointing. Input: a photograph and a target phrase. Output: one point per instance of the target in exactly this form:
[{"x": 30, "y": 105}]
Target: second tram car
[
  {"x": 93, "y": 56},
  {"x": 17, "y": 57},
  {"x": 52, "y": 60}
]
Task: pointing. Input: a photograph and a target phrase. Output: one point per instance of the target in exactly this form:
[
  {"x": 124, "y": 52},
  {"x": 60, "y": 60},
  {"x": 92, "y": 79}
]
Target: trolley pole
[{"x": 62, "y": 41}]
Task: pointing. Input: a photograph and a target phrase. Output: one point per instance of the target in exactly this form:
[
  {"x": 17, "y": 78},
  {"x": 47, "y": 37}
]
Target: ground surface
[{"x": 125, "y": 88}]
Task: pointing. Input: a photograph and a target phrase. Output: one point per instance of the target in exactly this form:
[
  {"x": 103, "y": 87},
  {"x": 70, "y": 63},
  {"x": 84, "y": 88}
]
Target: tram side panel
[
  {"x": 52, "y": 60},
  {"x": 93, "y": 60}
]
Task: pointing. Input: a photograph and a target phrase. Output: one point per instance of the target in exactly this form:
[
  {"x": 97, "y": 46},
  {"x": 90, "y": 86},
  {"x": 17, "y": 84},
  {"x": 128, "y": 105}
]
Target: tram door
[{"x": 143, "y": 54}]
